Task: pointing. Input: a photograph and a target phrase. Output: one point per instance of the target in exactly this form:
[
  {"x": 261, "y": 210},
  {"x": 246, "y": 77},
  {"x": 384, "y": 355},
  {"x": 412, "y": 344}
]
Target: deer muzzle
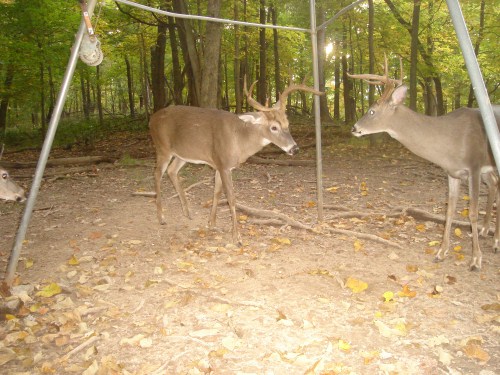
[
  {"x": 356, "y": 131},
  {"x": 293, "y": 150}
]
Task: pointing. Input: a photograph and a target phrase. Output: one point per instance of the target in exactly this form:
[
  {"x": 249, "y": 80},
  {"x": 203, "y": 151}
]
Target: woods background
[{"x": 153, "y": 61}]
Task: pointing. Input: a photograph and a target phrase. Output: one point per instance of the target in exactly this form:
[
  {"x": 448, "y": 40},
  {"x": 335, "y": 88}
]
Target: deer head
[
  {"x": 274, "y": 117},
  {"x": 377, "y": 119}
]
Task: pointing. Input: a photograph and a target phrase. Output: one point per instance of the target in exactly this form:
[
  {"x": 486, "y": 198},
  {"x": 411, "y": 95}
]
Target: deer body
[
  {"x": 457, "y": 142},
  {"x": 221, "y": 139}
]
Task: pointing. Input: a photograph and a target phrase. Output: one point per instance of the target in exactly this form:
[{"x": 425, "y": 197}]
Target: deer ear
[
  {"x": 252, "y": 118},
  {"x": 399, "y": 95}
]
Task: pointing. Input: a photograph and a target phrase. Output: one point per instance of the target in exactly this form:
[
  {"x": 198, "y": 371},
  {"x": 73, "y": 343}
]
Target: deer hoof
[{"x": 475, "y": 264}]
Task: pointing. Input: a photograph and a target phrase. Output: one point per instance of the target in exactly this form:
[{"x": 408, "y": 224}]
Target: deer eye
[
  {"x": 371, "y": 112},
  {"x": 5, "y": 176},
  {"x": 274, "y": 128}
]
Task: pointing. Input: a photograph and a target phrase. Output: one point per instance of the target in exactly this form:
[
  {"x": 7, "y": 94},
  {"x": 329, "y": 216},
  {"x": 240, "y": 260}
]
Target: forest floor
[{"x": 102, "y": 288}]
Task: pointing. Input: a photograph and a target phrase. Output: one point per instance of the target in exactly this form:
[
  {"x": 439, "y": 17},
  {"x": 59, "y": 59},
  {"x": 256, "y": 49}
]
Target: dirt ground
[{"x": 102, "y": 288}]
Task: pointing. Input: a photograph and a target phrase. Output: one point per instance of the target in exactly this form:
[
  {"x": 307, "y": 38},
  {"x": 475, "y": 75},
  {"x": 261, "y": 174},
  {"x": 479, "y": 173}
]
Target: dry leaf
[
  {"x": 73, "y": 261},
  {"x": 344, "y": 346},
  {"x": 421, "y": 227},
  {"x": 49, "y": 290},
  {"x": 474, "y": 350},
  {"x": 388, "y": 296},
  {"x": 458, "y": 232},
  {"x": 28, "y": 263},
  {"x": 357, "y": 286},
  {"x": 358, "y": 245},
  {"x": 407, "y": 292}
]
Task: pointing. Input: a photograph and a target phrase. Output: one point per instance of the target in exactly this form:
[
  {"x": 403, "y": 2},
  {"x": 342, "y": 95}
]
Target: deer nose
[{"x": 294, "y": 150}]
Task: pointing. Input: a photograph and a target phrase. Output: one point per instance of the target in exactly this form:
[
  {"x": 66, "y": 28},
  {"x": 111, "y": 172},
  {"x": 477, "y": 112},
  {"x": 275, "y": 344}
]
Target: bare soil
[{"x": 136, "y": 297}]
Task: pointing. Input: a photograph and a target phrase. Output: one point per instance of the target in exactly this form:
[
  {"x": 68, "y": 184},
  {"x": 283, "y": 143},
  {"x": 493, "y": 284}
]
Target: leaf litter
[{"x": 108, "y": 291}]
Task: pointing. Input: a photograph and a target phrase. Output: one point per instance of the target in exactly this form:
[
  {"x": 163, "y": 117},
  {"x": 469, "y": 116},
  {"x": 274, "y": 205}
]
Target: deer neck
[{"x": 421, "y": 134}]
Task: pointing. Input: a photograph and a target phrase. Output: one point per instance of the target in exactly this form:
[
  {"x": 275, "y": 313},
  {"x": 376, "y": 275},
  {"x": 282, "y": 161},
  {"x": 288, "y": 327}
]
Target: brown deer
[
  {"x": 456, "y": 142},
  {"x": 221, "y": 139},
  {"x": 9, "y": 190}
]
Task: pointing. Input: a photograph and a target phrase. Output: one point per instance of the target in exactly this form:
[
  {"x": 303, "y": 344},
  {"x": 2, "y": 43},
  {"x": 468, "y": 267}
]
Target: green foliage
[{"x": 36, "y": 37}]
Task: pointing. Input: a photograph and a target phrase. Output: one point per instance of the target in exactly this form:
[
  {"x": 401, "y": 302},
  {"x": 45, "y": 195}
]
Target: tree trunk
[
  {"x": 190, "y": 53},
  {"x": 480, "y": 36},
  {"x": 4, "y": 99},
  {"x": 323, "y": 103},
  {"x": 336, "y": 98},
  {"x": 130, "y": 88},
  {"x": 99, "y": 96},
  {"x": 371, "y": 50},
  {"x": 157, "y": 68},
  {"x": 262, "y": 84},
  {"x": 414, "y": 54},
  {"x": 237, "y": 65},
  {"x": 211, "y": 58},
  {"x": 176, "y": 65},
  {"x": 277, "y": 69},
  {"x": 42, "y": 100}
]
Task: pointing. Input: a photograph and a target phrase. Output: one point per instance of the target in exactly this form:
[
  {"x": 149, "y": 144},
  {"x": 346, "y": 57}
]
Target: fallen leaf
[
  {"x": 344, "y": 346},
  {"x": 458, "y": 232},
  {"x": 491, "y": 307},
  {"x": 73, "y": 261},
  {"x": 358, "y": 245},
  {"x": 28, "y": 263},
  {"x": 49, "y": 290},
  {"x": 388, "y": 296},
  {"x": 421, "y": 228},
  {"x": 407, "y": 292},
  {"x": 433, "y": 243},
  {"x": 357, "y": 286},
  {"x": 475, "y": 351}
]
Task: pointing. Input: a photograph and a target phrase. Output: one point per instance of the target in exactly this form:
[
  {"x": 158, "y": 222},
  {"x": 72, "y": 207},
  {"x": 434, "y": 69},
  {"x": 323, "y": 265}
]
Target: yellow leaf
[
  {"x": 401, "y": 326},
  {"x": 332, "y": 189},
  {"x": 406, "y": 292},
  {"x": 73, "y": 261},
  {"x": 283, "y": 240},
  {"x": 474, "y": 350},
  {"x": 466, "y": 198},
  {"x": 311, "y": 204},
  {"x": 243, "y": 218},
  {"x": 388, "y": 296},
  {"x": 357, "y": 286},
  {"x": 457, "y": 248},
  {"x": 421, "y": 227},
  {"x": 358, "y": 245},
  {"x": 49, "y": 290},
  {"x": 9, "y": 316},
  {"x": 344, "y": 346},
  {"x": 458, "y": 232},
  {"x": 465, "y": 212},
  {"x": 28, "y": 263},
  {"x": 411, "y": 268},
  {"x": 433, "y": 243}
]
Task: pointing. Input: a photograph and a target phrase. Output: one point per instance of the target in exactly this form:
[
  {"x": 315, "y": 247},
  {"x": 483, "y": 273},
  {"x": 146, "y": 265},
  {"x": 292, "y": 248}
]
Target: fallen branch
[
  {"x": 418, "y": 214},
  {"x": 256, "y": 160},
  {"x": 80, "y": 347},
  {"x": 278, "y": 218},
  {"x": 152, "y": 194},
  {"x": 63, "y": 161}
]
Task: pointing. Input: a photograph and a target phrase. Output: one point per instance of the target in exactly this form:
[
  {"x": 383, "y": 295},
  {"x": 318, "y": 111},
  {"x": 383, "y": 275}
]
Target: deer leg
[
  {"x": 474, "y": 185},
  {"x": 227, "y": 184},
  {"x": 491, "y": 181},
  {"x": 215, "y": 200},
  {"x": 453, "y": 190},
  {"x": 161, "y": 166},
  {"x": 173, "y": 170}
]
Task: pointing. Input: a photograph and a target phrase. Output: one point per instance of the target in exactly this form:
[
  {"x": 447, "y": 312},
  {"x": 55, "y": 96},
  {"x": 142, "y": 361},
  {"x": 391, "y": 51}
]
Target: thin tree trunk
[
  {"x": 99, "y": 96},
  {"x": 477, "y": 45},
  {"x": 323, "y": 103},
  {"x": 262, "y": 84},
  {"x": 277, "y": 69},
  {"x": 414, "y": 54},
  {"x": 211, "y": 58},
  {"x": 371, "y": 49},
  {"x": 237, "y": 61},
  {"x": 130, "y": 87},
  {"x": 157, "y": 68}
]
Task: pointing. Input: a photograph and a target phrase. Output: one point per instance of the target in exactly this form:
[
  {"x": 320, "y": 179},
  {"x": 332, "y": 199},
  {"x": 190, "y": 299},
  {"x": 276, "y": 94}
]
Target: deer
[
  {"x": 9, "y": 190},
  {"x": 456, "y": 142},
  {"x": 220, "y": 139}
]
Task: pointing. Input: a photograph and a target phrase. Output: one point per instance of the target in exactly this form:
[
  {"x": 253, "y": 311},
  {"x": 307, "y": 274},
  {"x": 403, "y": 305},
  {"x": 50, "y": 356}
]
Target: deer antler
[
  {"x": 254, "y": 103},
  {"x": 389, "y": 83},
  {"x": 290, "y": 89}
]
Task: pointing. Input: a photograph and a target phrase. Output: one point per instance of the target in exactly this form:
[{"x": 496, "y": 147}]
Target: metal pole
[
  {"x": 476, "y": 77},
  {"x": 317, "y": 113},
  {"x": 47, "y": 144}
]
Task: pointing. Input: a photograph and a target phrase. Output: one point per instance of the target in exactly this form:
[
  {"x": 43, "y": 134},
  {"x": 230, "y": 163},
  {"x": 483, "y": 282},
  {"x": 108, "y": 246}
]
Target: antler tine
[
  {"x": 254, "y": 103},
  {"x": 290, "y": 89},
  {"x": 374, "y": 79}
]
